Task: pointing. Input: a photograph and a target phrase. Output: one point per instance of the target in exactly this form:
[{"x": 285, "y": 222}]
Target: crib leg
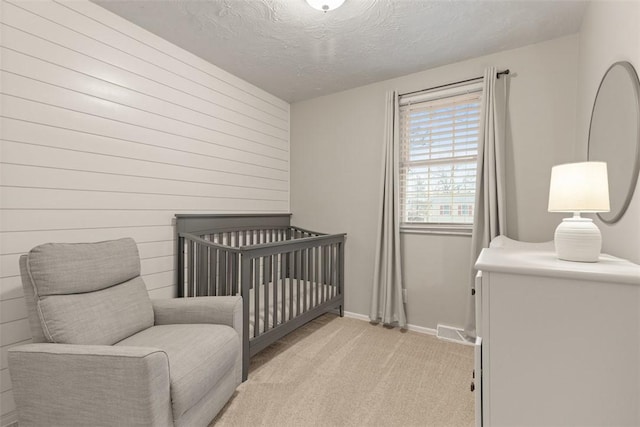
[
  {"x": 245, "y": 366},
  {"x": 341, "y": 311}
]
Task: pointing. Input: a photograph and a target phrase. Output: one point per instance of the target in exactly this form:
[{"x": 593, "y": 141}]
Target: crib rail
[
  {"x": 238, "y": 237},
  {"x": 210, "y": 264}
]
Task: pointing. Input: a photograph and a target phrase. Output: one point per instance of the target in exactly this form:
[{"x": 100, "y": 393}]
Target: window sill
[{"x": 437, "y": 229}]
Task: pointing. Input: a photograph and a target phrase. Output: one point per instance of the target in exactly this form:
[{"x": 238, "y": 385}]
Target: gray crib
[{"x": 286, "y": 275}]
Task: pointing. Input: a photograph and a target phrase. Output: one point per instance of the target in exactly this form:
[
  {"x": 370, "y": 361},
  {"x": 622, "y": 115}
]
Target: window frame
[{"x": 463, "y": 229}]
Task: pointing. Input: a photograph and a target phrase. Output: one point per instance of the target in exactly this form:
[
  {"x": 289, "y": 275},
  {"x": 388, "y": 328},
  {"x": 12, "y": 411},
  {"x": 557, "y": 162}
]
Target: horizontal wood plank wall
[{"x": 108, "y": 131}]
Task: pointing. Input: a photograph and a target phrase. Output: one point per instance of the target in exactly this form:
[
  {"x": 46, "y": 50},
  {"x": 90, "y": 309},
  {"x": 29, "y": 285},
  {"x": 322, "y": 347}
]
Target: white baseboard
[
  {"x": 356, "y": 316},
  {"x": 422, "y": 330},
  {"x": 414, "y": 328}
]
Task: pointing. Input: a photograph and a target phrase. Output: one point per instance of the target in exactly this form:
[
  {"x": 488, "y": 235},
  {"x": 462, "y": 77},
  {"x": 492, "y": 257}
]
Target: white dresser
[{"x": 558, "y": 341}]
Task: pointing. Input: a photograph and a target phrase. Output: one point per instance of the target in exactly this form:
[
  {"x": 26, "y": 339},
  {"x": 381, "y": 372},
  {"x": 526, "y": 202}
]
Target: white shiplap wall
[{"x": 108, "y": 131}]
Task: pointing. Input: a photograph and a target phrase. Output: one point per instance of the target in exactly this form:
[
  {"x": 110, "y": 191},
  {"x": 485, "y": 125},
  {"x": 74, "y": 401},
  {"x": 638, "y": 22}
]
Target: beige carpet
[{"x": 346, "y": 372}]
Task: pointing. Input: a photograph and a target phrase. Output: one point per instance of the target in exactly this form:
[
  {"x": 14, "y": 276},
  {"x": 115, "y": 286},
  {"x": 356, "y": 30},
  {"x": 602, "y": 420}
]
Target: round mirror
[{"x": 614, "y": 135}]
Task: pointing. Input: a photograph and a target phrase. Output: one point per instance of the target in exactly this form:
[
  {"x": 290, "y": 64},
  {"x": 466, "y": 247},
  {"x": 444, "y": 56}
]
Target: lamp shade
[{"x": 579, "y": 187}]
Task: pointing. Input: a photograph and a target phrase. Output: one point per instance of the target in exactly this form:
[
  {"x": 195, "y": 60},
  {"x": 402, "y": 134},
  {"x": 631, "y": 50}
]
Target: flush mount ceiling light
[{"x": 325, "y": 5}]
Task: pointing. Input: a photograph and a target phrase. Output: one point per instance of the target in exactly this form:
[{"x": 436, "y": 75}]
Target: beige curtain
[
  {"x": 386, "y": 300},
  {"x": 489, "y": 217}
]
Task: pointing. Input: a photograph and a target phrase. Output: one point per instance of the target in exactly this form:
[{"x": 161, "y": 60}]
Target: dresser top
[{"x": 540, "y": 260}]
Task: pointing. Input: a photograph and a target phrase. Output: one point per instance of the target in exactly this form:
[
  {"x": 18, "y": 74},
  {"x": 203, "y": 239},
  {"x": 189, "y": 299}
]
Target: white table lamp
[{"x": 579, "y": 187}]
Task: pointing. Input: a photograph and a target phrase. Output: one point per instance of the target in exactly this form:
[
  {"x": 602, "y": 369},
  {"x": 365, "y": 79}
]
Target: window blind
[{"x": 438, "y": 157}]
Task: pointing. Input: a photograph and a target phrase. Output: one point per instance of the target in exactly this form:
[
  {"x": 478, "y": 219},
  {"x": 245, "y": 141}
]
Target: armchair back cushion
[{"x": 86, "y": 293}]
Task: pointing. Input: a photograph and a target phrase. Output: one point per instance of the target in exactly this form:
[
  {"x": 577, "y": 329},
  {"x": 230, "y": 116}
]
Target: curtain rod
[{"x": 498, "y": 74}]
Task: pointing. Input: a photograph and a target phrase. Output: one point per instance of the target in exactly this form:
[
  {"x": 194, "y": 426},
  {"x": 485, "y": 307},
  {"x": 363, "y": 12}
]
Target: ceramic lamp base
[{"x": 578, "y": 239}]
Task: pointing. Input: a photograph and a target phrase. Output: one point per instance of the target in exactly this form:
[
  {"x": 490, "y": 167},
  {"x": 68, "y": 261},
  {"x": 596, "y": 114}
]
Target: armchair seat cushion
[{"x": 199, "y": 356}]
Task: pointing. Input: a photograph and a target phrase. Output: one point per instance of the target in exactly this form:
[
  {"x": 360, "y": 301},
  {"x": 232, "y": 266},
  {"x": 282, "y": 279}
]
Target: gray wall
[
  {"x": 610, "y": 32},
  {"x": 336, "y": 149}
]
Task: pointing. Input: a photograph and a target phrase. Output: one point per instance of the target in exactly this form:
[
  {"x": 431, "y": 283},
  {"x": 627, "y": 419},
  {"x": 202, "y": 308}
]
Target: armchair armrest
[
  {"x": 74, "y": 385},
  {"x": 225, "y": 310}
]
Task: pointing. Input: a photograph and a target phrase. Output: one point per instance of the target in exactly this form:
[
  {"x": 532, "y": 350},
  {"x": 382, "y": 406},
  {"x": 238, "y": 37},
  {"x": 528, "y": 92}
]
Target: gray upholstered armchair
[{"x": 106, "y": 354}]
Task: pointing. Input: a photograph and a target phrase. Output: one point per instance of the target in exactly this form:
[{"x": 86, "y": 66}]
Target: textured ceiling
[{"x": 295, "y": 52}]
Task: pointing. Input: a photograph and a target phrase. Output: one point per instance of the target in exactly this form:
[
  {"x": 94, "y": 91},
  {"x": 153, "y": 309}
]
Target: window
[
  {"x": 445, "y": 210},
  {"x": 465, "y": 210},
  {"x": 438, "y": 156}
]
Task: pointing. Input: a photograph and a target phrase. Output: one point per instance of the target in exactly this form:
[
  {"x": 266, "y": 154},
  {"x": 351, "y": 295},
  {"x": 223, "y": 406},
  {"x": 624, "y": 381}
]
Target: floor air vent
[{"x": 449, "y": 333}]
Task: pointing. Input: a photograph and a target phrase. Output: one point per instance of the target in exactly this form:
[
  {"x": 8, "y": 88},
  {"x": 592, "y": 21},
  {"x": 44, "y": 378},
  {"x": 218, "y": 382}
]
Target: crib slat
[
  {"x": 256, "y": 297},
  {"x": 309, "y": 279},
  {"x": 283, "y": 285},
  {"x": 298, "y": 278},
  {"x": 329, "y": 271},
  {"x": 325, "y": 272},
  {"x": 334, "y": 270},
  {"x": 227, "y": 273},
  {"x": 190, "y": 271},
  {"x": 291, "y": 280},
  {"x": 208, "y": 271},
  {"x": 231, "y": 273},
  {"x": 320, "y": 275},
  {"x": 266, "y": 292},
  {"x": 213, "y": 272},
  {"x": 312, "y": 277},
  {"x": 334, "y": 279},
  {"x": 317, "y": 274},
  {"x": 325, "y": 275},
  {"x": 310, "y": 282},
  {"x": 327, "y": 288},
  {"x": 180, "y": 266},
  {"x": 222, "y": 271},
  {"x": 266, "y": 278},
  {"x": 305, "y": 276},
  {"x": 238, "y": 273},
  {"x": 201, "y": 273},
  {"x": 312, "y": 264},
  {"x": 331, "y": 265},
  {"x": 235, "y": 277},
  {"x": 280, "y": 284},
  {"x": 239, "y": 280},
  {"x": 275, "y": 291},
  {"x": 323, "y": 282}
]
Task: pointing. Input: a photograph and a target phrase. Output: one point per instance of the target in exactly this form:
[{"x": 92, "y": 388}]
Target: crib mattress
[{"x": 281, "y": 312}]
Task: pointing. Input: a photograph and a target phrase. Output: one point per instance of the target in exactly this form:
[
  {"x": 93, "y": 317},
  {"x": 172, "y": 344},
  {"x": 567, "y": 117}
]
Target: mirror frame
[{"x": 633, "y": 76}]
